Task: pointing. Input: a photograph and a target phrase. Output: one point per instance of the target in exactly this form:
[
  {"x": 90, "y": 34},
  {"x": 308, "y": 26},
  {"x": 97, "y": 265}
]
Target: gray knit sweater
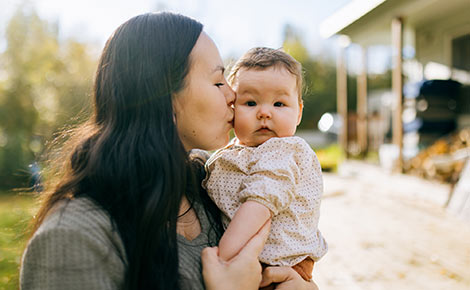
[{"x": 77, "y": 248}]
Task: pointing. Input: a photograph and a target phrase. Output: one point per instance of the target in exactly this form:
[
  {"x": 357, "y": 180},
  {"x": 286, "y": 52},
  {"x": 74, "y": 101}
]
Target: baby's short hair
[{"x": 261, "y": 58}]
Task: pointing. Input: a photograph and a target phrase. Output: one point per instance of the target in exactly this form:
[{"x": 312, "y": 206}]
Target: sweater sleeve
[{"x": 71, "y": 257}]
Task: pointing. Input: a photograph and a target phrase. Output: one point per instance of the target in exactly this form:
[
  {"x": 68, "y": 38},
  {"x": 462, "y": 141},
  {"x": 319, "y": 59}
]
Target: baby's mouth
[{"x": 263, "y": 130}]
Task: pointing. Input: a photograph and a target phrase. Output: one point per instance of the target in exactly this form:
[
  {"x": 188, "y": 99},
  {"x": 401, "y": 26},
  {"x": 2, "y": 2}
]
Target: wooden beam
[
  {"x": 342, "y": 98},
  {"x": 362, "y": 135},
  {"x": 397, "y": 89}
]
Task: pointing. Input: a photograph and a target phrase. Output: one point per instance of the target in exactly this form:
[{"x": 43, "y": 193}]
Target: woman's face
[{"x": 203, "y": 108}]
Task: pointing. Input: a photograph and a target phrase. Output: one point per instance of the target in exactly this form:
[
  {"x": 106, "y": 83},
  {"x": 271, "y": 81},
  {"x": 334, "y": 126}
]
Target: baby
[{"x": 266, "y": 172}]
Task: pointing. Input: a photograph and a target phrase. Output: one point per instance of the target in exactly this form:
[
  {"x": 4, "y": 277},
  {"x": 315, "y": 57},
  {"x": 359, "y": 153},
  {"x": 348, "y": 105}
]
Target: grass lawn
[{"x": 15, "y": 214}]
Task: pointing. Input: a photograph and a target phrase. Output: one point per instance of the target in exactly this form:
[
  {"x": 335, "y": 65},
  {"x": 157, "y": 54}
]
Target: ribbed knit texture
[
  {"x": 77, "y": 248},
  {"x": 189, "y": 253}
]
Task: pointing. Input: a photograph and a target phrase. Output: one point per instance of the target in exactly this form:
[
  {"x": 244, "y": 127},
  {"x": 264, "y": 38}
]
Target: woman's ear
[{"x": 176, "y": 106}]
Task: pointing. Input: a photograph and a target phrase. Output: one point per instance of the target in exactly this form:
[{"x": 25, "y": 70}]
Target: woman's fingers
[
  {"x": 212, "y": 267},
  {"x": 210, "y": 255},
  {"x": 242, "y": 272},
  {"x": 285, "y": 278},
  {"x": 254, "y": 246},
  {"x": 277, "y": 275}
]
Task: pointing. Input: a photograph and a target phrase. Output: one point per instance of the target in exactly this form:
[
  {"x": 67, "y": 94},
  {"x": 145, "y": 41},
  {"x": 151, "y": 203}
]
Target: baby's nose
[{"x": 264, "y": 113}]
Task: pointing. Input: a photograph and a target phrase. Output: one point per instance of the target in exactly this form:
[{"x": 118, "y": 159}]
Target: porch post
[
  {"x": 397, "y": 89},
  {"x": 362, "y": 135},
  {"x": 342, "y": 97}
]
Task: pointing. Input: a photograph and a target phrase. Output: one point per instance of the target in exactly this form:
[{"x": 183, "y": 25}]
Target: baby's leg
[{"x": 305, "y": 268}]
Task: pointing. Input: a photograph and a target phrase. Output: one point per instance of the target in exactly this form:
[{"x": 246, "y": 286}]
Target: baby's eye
[
  {"x": 219, "y": 84},
  {"x": 278, "y": 104},
  {"x": 251, "y": 103}
]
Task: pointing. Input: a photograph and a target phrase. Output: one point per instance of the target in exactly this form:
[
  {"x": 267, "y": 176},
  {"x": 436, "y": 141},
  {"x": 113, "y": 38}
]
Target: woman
[{"x": 127, "y": 211}]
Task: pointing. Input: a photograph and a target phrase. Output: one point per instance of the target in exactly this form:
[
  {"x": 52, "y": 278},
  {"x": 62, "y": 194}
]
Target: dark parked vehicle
[{"x": 431, "y": 109}]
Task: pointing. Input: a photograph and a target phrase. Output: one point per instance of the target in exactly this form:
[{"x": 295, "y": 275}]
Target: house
[{"x": 436, "y": 31}]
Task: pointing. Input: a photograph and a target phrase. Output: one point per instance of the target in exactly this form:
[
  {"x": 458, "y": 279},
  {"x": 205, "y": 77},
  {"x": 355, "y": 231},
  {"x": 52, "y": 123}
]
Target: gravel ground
[{"x": 390, "y": 231}]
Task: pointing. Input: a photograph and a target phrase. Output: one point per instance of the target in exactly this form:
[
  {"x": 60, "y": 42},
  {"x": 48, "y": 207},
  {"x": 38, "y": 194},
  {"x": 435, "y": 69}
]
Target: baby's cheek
[
  {"x": 239, "y": 126},
  {"x": 238, "y": 116}
]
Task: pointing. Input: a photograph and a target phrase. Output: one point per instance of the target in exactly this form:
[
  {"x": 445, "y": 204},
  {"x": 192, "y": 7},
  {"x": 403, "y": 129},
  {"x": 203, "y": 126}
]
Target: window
[{"x": 461, "y": 52}]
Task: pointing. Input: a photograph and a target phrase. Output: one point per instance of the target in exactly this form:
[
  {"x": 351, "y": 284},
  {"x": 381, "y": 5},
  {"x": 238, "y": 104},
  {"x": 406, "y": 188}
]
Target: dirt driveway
[{"x": 390, "y": 231}]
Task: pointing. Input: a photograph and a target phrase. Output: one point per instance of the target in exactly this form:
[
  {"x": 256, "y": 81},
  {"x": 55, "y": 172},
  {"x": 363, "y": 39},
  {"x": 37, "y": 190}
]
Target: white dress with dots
[{"x": 284, "y": 175}]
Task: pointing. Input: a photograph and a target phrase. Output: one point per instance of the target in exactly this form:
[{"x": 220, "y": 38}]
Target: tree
[
  {"x": 45, "y": 85},
  {"x": 319, "y": 79}
]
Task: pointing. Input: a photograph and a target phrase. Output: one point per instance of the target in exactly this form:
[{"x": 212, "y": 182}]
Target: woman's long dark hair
[{"x": 129, "y": 158}]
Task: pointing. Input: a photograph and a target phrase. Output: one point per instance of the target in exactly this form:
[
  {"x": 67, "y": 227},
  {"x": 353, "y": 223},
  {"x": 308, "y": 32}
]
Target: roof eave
[{"x": 347, "y": 15}]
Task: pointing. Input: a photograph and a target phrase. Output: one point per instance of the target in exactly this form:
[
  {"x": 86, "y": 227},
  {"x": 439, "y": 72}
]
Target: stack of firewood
[{"x": 443, "y": 160}]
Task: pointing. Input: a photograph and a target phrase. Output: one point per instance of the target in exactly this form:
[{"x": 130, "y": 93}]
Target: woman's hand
[
  {"x": 287, "y": 278},
  {"x": 242, "y": 272}
]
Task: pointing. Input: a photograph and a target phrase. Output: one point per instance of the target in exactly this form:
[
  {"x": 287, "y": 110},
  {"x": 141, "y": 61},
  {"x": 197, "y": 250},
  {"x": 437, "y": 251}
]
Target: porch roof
[{"x": 368, "y": 21}]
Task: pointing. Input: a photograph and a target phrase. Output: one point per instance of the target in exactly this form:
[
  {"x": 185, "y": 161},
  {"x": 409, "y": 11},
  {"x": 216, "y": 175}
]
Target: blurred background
[
  {"x": 49, "y": 50},
  {"x": 387, "y": 86}
]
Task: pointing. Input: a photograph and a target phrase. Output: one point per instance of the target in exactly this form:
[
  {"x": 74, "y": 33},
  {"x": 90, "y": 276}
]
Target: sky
[{"x": 234, "y": 25}]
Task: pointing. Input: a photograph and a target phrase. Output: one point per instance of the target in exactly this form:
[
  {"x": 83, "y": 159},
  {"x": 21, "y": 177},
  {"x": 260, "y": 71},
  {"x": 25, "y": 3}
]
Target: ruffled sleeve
[{"x": 273, "y": 172}]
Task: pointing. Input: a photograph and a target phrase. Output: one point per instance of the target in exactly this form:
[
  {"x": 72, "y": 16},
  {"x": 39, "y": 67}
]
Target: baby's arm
[{"x": 247, "y": 221}]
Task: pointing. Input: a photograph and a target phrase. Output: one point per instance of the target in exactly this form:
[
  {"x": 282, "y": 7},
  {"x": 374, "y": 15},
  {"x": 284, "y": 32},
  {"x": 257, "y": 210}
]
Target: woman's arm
[
  {"x": 62, "y": 258},
  {"x": 248, "y": 220},
  {"x": 242, "y": 272}
]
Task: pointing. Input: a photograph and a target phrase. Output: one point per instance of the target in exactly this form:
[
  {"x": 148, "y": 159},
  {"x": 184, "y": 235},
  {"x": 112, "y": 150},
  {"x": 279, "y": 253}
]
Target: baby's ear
[{"x": 301, "y": 108}]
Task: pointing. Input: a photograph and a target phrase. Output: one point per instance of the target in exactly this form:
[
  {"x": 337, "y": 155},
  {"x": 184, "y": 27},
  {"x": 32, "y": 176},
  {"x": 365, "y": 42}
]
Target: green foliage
[
  {"x": 44, "y": 84},
  {"x": 15, "y": 214},
  {"x": 319, "y": 80},
  {"x": 380, "y": 81},
  {"x": 320, "y": 96}
]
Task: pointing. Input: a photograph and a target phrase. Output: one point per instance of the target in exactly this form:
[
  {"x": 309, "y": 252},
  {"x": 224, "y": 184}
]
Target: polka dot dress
[{"x": 284, "y": 175}]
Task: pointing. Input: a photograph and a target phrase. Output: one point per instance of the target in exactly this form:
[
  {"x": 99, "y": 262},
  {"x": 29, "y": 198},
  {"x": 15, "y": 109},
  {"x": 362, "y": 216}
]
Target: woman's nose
[
  {"x": 230, "y": 96},
  {"x": 264, "y": 113}
]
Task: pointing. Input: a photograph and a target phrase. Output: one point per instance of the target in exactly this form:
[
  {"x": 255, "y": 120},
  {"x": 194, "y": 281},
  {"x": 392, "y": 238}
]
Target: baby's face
[{"x": 267, "y": 105}]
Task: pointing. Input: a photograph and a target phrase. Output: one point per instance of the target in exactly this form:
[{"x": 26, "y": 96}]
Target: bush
[{"x": 330, "y": 157}]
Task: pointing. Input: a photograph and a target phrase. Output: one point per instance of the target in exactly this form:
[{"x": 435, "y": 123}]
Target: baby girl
[{"x": 266, "y": 172}]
